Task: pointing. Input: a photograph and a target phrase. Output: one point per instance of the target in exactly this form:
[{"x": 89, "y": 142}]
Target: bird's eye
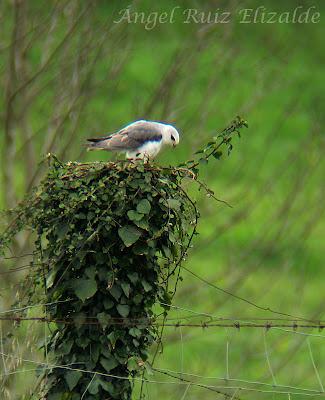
[{"x": 172, "y": 138}]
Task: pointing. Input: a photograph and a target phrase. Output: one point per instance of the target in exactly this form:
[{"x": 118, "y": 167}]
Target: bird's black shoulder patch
[{"x": 156, "y": 138}]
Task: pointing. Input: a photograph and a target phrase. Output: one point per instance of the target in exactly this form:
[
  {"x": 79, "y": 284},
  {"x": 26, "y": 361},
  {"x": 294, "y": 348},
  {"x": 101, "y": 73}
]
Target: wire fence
[{"x": 227, "y": 386}]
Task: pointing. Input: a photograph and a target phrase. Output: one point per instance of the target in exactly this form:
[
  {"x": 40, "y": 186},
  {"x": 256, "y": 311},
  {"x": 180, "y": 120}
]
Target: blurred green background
[{"x": 69, "y": 70}]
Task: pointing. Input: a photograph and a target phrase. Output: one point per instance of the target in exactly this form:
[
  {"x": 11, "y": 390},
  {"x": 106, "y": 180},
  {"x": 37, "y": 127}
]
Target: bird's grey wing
[{"x": 134, "y": 136}]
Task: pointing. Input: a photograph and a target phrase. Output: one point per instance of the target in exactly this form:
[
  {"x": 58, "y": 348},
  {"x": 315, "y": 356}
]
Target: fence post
[{"x": 110, "y": 238}]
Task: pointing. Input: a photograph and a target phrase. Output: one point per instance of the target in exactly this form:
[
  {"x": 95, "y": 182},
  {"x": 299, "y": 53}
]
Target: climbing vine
[{"x": 109, "y": 241}]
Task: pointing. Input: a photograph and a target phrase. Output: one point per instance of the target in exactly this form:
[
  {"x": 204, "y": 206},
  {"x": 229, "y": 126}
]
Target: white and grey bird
[{"x": 141, "y": 139}]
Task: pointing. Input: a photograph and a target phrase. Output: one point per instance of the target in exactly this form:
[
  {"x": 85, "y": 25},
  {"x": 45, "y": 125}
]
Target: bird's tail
[{"x": 97, "y": 144}]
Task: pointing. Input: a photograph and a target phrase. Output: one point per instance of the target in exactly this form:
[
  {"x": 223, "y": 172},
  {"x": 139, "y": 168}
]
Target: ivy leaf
[
  {"x": 50, "y": 278},
  {"x": 83, "y": 342},
  {"x": 108, "y": 304},
  {"x": 91, "y": 272},
  {"x": 112, "y": 337},
  {"x": 134, "y": 215},
  {"x": 147, "y": 287},
  {"x": 97, "y": 382},
  {"x": 93, "y": 387},
  {"x": 126, "y": 288},
  {"x": 133, "y": 276},
  {"x": 137, "y": 299},
  {"x": 129, "y": 235},
  {"x": 72, "y": 378},
  {"x": 144, "y": 206},
  {"x": 135, "y": 332},
  {"x": 123, "y": 310},
  {"x": 108, "y": 363},
  {"x": 85, "y": 288},
  {"x": 143, "y": 224},
  {"x": 217, "y": 155},
  {"x": 174, "y": 204},
  {"x": 108, "y": 386},
  {"x": 103, "y": 319},
  {"x": 65, "y": 347},
  {"x": 133, "y": 364},
  {"x": 79, "y": 319},
  {"x": 116, "y": 292}
]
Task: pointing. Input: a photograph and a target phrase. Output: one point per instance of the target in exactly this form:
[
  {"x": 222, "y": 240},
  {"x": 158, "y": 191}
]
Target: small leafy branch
[
  {"x": 213, "y": 148},
  {"x": 110, "y": 238}
]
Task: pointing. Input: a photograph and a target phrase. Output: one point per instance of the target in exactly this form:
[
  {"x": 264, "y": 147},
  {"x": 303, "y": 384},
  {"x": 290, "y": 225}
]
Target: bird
[{"x": 139, "y": 140}]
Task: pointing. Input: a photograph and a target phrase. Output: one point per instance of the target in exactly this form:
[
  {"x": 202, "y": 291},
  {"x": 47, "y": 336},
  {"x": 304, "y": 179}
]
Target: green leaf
[
  {"x": 72, "y": 378},
  {"x": 133, "y": 276},
  {"x": 108, "y": 304},
  {"x": 172, "y": 237},
  {"x": 126, "y": 289},
  {"x": 143, "y": 224},
  {"x": 108, "y": 386},
  {"x": 174, "y": 204},
  {"x": 123, "y": 310},
  {"x": 137, "y": 298},
  {"x": 108, "y": 364},
  {"x": 91, "y": 272},
  {"x": 140, "y": 248},
  {"x": 133, "y": 364},
  {"x": 144, "y": 206},
  {"x": 147, "y": 287},
  {"x": 112, "y": 337},
  {"x": 134, "y": 216},
  {"x": 217, "y": 155},
  {"x": 85, "y": 288},
  {"x": 203, "y": 160},
  {"x": 79, "y": 319},
  {"x": 116, "y": 292},
  {"x": 93, "y": 387},
  {"x": 135, "y": 332},
  {"x": 96, "y": 382},
  {"x": 129, "y": 235},
  {"x": 62, "y": 230},
  {"x": 50, "y": 278},
  {"x": 83, "y": 341},
  {"x": 103, "y": 319}
]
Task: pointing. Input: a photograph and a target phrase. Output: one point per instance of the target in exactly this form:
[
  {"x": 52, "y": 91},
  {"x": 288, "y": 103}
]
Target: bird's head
[{"x": 171, "y": 136}]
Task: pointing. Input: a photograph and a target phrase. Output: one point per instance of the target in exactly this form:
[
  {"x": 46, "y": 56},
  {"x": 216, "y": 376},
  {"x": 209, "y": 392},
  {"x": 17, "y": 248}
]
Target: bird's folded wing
[{"x": 132, "y": 136}]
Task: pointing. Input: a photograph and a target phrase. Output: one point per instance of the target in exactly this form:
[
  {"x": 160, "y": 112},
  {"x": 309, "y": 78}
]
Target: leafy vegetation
[{"x": 110, "y": 239}]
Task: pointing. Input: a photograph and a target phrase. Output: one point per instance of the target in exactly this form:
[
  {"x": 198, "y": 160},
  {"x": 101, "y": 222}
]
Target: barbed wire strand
[
  {"x": 203, "y": 325},
  {"x": 216, "y": 388},
  {"x": 33, "y": 306},
  {"x": 51, "y": 366},
  {"x": 249, "y": 382},
  {"x": 242, "y": 388},
  {"x": 242, "y": 298}
]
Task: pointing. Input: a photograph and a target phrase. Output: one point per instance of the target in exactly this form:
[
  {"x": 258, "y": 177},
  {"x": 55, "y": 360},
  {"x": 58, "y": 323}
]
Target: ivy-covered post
[{"x": 110, "y": 240}]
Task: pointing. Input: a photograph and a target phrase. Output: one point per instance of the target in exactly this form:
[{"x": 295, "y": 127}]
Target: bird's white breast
[{"x": 148, "y": 149}]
